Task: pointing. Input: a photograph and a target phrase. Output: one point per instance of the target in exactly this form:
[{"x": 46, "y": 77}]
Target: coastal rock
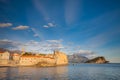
[
  {"x": 98, "y": 60},
  {"x": 77, "y": 58}
]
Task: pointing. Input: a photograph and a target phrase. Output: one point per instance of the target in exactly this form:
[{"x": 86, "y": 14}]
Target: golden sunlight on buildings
[{"x": 30, "y": 59}]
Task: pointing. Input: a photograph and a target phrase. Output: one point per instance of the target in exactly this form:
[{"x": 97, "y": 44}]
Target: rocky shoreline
[{"x": 98, "y": 60}]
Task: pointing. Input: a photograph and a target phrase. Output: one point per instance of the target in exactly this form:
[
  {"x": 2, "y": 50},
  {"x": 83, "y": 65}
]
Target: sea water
[{"x": 70, "y": 72}]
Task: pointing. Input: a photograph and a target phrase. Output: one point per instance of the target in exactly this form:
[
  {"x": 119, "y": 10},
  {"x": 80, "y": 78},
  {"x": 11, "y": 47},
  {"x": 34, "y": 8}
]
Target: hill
[
  {"x": 98, "y": 60},
  {"x": 75, "y": 58}
]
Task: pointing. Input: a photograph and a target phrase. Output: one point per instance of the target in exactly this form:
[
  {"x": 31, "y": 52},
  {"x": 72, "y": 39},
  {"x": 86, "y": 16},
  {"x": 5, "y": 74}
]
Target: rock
[
  {"x": 77, "y": 58},
  {"x": 98, "y": 60}
]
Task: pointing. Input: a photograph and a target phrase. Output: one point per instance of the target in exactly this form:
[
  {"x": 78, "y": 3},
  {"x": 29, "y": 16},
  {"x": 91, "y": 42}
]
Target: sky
[{"x": 88, "y": 27}]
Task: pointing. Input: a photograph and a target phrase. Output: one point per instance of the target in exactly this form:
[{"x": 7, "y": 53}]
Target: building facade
[{"x": 4, "y": 57}]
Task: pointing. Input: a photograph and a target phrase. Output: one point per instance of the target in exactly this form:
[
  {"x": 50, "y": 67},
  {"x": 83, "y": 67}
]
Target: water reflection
[
  {"x": 3, "y": 74},
  {"x": 76, "y": 72},
  {"x": 34, "y": 73}
]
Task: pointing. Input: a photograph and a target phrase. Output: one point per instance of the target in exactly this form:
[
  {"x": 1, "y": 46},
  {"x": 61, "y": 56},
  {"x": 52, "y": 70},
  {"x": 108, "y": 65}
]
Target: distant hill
[
  {"x": 98, "y": 60},
  {"x": 10, "y": 51},
  {"x": 75, "y": 58}
]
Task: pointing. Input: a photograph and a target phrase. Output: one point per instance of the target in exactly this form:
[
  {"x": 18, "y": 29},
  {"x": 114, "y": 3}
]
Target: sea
[{"x": 74, "y": 71}]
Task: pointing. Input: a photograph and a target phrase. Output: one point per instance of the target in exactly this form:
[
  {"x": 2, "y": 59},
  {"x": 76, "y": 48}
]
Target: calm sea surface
[{"x": 70, "y": 72}]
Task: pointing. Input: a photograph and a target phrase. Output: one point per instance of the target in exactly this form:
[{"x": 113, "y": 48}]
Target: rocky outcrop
[
  {"x": 98, "y": 60},
  {"x": 77, "y": 58},
  {"x": 61, "y": 58}
]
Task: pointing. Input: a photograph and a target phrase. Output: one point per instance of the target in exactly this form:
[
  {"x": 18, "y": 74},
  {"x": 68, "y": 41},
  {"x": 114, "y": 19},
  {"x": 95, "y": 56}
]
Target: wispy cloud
[
  {"x": 55, "y": 41},
  {"x": 40, "y": 7},
  {"x": 3, "y": 25},
  {"x": 37, "y": 33},
  {"x": 5, "y": 43},
  {"x": 71, "y": 11},
  {"x": 49, "y": 25},
  {"x": 101, "y": 30},
  {"x": 102, "y": 39},
  {"x": 45, "y": 46},
  {"x": 87, "y": 53},
  {"x": 35, "y": 46},
  {"x": 45, "y": 26},
  {"x": 21, "y": 27}
]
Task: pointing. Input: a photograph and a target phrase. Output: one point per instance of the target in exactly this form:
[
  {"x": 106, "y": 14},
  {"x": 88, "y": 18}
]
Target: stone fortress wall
[{"x": 57, "y": 58}]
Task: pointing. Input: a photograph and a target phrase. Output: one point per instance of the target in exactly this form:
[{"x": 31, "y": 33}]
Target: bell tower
[{"x": 23, "y": 51}]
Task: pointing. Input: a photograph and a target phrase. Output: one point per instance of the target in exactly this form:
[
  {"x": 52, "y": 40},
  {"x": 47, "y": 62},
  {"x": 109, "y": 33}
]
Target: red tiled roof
[
  {"x": 31, "y": 56},
  {"x": 2, "y": 52}
]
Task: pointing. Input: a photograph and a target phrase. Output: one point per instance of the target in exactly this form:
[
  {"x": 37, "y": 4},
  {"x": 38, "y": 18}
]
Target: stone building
[
  {"x": 61, "y": 58},
  {"x": 16, "y": 57},
  {"x": 58, "y": 58},
  {"x": 4, "y": 57},
  {"x": 28, "y": 60}
]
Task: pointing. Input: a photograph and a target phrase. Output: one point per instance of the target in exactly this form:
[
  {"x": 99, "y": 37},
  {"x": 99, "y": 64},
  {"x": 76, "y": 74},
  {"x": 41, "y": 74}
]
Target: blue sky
[{"x": 89, "y": 27}]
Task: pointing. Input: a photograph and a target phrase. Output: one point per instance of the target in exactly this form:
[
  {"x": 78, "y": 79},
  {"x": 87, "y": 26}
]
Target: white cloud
[
  {"x": 5, "y": 43},
  {"x": 32, "y": 42},
  {"x": 33, "y": 29},
  {"x": 34, "y": 46},
  {"x": 87, "y": 53},
  {"x": 55, "y": 41},
  {"x": 47, "y": 46},
  {"x": 5, "y": 40},
  {"x": 21, "y": 27},
  {"x": 3, "y": 25},
  {"x": 36, "y": 35},
  {"x": 45, "y": 26},
  {"x": 49, "y": 25},
  {"x": 43, "y": 46}
]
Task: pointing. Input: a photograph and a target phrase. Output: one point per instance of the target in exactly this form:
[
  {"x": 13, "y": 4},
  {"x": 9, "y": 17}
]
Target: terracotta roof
[
  {"x": 35, "y": 57},
  {"x": 30, "y": 56},
  {"x": 2, "y": 52}
]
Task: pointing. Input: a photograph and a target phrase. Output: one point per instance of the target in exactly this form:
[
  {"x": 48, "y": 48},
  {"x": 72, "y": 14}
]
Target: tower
[{"x": 23, "y": 51}]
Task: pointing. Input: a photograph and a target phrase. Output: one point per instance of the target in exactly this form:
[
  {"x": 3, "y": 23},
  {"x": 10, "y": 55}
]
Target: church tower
[{"x": 23, "y": 51}]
